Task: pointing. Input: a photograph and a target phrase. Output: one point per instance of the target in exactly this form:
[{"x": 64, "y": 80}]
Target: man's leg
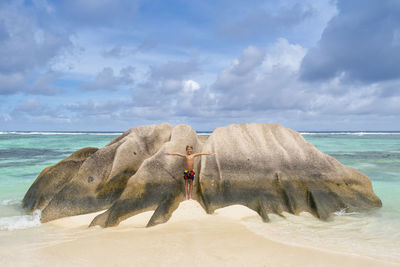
[
  {"x": 186, "y": 189},
  {"x": 191, "y": 188}
]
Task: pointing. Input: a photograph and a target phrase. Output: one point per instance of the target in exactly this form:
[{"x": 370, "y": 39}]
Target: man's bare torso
[
  {"x": 189, "y": 157},
  {"x": 189, "y": 162}
]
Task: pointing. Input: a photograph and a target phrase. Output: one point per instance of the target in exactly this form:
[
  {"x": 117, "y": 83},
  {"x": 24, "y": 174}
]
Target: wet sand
[{"x": 190, "y": 238}]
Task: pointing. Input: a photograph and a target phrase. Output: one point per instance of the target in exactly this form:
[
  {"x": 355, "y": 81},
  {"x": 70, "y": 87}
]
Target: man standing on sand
[{"x": 189, "y": 173}]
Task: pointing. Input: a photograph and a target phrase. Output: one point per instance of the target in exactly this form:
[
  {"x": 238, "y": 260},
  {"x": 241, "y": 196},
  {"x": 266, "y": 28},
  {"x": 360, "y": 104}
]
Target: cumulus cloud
[
  {"x": 266, "y": 80},
  {"x": 107, "y": 80},
  {"x": 361, "y": 43},
  {"x": 166, "y": 93},
  {"x": 26, "y": 46},
  {"x": 92, "y": 108},
  {"x": 164, "y": 83},
  {"x": 86, "y": 114},
  {"x": 119, "y": 51},
  {"x": 44, "y": 84},
  {"x": 171, "y": 91},
  {"x": 34, "y": 115},
  {"x": 190, "y": 86},
  {"x": 32, "y": 108},
  {"x": 345, "y": 80},
  {"x": 173, "y": 70},
  {"x": 271, "y": 89},
  {"x": 261, "y": 84}
]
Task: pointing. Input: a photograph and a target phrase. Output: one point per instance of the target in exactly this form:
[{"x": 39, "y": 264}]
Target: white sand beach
[{"x": 190, "y": 238}]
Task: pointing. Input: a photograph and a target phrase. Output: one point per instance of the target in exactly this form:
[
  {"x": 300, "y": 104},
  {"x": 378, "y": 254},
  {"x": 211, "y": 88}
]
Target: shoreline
[{"x": 190, "y": 238}]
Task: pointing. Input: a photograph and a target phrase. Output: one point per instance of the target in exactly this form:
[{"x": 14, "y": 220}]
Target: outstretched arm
[
  {"x": 175, "y": 154},
  {"x": 205, "y": 154}
]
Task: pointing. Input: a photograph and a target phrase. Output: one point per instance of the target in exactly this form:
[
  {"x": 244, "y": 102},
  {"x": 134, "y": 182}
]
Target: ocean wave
[
  {"x": 343, "y": 212},
  {"x": 63, "y": 133},
  {"x": 203, "y": 133},
  {"x": 350, "y": 133},
  {"x": 7, "y": 202},
  {"x": 206, "y": 133},
  {"x": 20, "y": 222}
]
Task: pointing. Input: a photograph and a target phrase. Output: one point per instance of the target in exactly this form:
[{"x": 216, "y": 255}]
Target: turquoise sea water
[
  {"x": 376, "y": 233},
  {"x": 24, "y": 155}
]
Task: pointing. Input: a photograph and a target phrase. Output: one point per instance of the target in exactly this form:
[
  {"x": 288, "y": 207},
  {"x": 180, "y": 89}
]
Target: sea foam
[
  {"x": 350, "y": 133},
  {"x": 20, "y": 222},
  {"x": 7, "y": 202},
  {"x": 61, "y": 133}
]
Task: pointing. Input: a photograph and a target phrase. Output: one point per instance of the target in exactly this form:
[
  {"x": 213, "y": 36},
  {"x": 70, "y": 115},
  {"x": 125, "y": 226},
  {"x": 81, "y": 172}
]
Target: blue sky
[{"x": 101, "y": 65}]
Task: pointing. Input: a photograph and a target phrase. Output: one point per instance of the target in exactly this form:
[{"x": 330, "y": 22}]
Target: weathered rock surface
[
  {"x": 95, "y": 182},
  {"x": 157, "y": 185},
  {"x": 265, "y": 167},
  {"x": 52, "y": 179},
  {"x": 272, "y": 169}
]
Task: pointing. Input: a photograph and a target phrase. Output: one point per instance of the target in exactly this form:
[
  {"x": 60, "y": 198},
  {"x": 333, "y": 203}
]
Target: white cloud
[
  {"x": 270, "y": 82},
  {"x": 107, "y": 80},
  {"x": 206, "y": 79},
  {"x": 283, "y": 55},
  {"x": 273, "y": 88},
  {"x": 365, "y": 52},
  {"x": 190, "y": 86},
  {"x": 27, "y": 47}
]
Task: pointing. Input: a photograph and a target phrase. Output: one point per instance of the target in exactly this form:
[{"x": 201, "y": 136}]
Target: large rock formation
[
  {"x": 272, "y": 169},
  {"x": 91, "y": 180},
  {"x": 265, "y": 167}
]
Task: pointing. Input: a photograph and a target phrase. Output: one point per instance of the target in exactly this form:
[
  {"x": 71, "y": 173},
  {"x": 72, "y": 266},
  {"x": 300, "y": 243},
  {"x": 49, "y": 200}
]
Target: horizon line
[{"x": 204, "y": 131}]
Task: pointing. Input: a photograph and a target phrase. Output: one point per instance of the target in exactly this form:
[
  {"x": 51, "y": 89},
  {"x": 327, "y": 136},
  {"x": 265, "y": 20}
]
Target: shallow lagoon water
[
  {"x": 24, "y": 155},
  {"x": 374, "y": 233}
]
